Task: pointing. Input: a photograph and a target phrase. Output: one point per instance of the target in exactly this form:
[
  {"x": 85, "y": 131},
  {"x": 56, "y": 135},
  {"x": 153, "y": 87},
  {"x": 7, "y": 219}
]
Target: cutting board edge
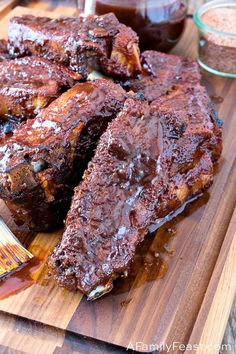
[{"x": 48, "y": 13}]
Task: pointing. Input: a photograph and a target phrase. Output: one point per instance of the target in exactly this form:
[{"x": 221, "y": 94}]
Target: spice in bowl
[{"x": 216, "y": 22}]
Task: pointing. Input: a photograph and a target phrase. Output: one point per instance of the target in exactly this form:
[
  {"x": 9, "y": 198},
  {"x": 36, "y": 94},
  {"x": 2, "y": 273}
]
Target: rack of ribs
[
  {"x": 81, "y": 43},
  {"x": 161, "y": 72},
  {"x": 45, "y": 158},
  {"x": 148, "y": 163},
  {"x": 27, "y": 85}
]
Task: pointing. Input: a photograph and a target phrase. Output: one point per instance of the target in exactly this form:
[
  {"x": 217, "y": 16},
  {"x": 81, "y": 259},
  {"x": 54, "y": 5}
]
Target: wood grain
[
  {"x": 28, "y": 336},
  {"x": 147, "y": 307},
  {"x": 221, "y": 286},
  {"x": 6, "y": 6},
  {"x": 21, "y": 336}
]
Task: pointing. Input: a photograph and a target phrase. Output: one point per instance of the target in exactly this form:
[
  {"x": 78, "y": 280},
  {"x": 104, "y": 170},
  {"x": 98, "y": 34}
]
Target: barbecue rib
[
  {"x": 46, "y": 156},
  {"x": 161, "y": 72},
  {"x": 150, "y": 161},
  {"x": 81, "y": 43},
  {"x": 29, "y": 84}
]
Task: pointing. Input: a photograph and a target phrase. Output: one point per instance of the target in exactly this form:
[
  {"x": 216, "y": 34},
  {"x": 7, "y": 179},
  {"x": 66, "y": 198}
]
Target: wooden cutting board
[
  {"x": 6, "y": 6},
  {"x": 181, "y": 286}
]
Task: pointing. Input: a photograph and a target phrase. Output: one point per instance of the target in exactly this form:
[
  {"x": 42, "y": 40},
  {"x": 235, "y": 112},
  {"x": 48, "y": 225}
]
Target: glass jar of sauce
[{"x": 159, "y": 23}]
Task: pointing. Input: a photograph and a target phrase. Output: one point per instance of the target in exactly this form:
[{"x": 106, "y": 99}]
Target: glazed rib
[
  {"x": 81, "y": 43},
  {"x": 150, "y": 161},
  {"x": 29, "y": 84},
  {"x": 161, "y": 72},
  {"x": 46, "y": 156}
]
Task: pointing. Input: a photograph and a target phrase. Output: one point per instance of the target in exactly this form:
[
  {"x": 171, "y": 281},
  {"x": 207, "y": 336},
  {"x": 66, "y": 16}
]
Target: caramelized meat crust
[
  {"x": 29, "y": 84},
  {"x": 161, "y": 72},
  {"x": 81, "y": 43},
  {"x": 45, "y": 158},
  {"x": 149, "y": 162}
]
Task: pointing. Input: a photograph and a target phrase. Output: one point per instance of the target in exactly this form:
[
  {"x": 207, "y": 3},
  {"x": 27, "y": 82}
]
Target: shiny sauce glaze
[
  {"x": 59, "y": 118},
  {"x": 69, "y": 129},
  {"x": 159, "y": 24},
  {"x": 151, "y": 261},
  {"x": 139, "y": 174},
  {"x": 20, "y": 279}
]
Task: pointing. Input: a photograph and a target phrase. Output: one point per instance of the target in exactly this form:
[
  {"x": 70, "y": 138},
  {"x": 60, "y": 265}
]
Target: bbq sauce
[
  {"x": 153, "y": 256},
  {"x": 20, "y": 279},
  {"x": 159, "y": 24}
]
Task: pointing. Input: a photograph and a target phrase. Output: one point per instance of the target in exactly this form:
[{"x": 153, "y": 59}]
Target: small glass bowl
[{"x": 217, "y": 40}]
